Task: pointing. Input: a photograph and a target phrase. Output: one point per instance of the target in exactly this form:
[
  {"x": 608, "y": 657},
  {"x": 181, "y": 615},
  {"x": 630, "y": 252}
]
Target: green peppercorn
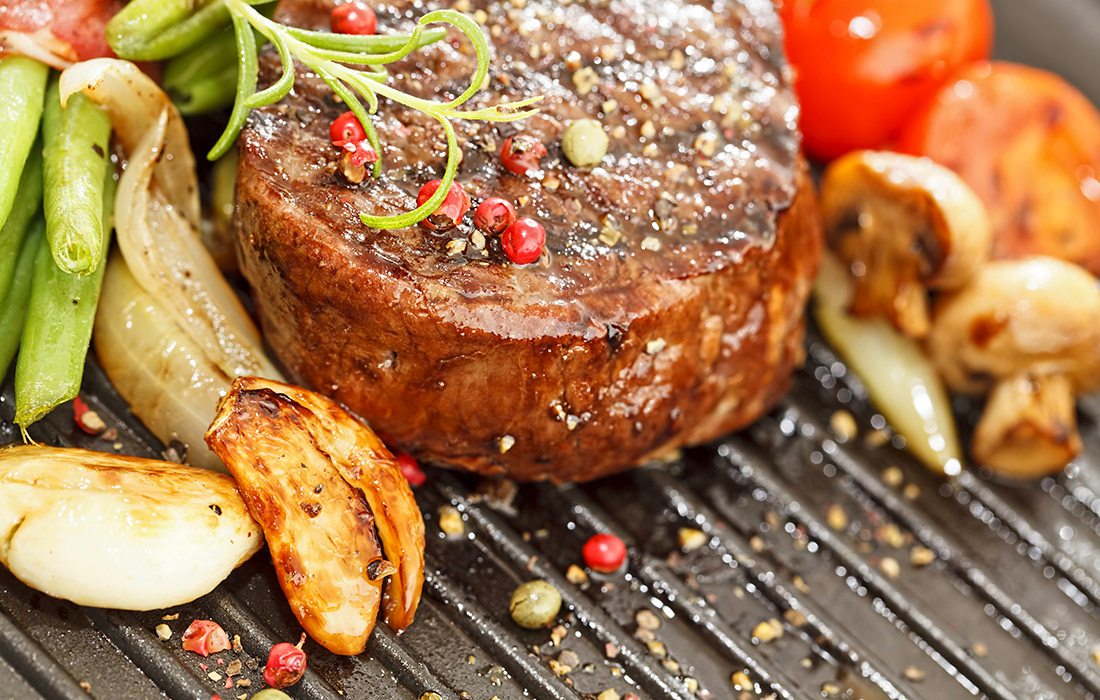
[
  {"x": 270, "y": 694},
  {"x": 584, "y": 142},
  {"x": 535, "y": 604}
]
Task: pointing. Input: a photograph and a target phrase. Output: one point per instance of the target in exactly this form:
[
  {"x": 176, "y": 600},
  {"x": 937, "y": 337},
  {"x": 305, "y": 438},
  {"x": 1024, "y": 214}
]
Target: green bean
[
  {"x": 13, "y": 297},
  {"x": 23, "y": 85},
  {"x": 28, "y": 202},
  {"x": 75, "y": 159},
  {"x": 58, "y": 326},
  {"x": 153, "y": 30},
  {"x": 203, "y": 79}
]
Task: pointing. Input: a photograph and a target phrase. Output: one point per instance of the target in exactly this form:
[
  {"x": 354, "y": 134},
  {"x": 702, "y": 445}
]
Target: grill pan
[{"x": 1007, "y": 609}]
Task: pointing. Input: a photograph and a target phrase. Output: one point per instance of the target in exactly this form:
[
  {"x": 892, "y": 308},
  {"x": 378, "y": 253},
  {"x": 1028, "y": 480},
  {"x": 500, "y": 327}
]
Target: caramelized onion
[
  {"x": 164, "y": 375},
  {"x": 170, "y": 331},
  {"x": 157, "y": 215}
]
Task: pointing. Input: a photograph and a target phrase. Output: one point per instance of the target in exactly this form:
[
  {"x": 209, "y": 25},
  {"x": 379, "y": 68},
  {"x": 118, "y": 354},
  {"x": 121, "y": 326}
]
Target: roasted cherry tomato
[
  {"x": 862, "y": 67},
  {"x": 1029, "y": 144}
]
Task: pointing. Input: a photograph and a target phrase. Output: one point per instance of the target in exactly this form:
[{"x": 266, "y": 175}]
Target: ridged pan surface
[{"x": 802, "y": 526}]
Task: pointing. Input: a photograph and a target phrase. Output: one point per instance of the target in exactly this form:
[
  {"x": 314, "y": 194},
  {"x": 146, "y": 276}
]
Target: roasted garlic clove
[
  {"x": 903, "y": 225},
  {"x": 365, "y": 463},
  {"x": 119, "y": 532},
  {"x": 1029, "y": 426},
  {"x": 310, "y": 474},
  {"x": 1028, "y": 331}
]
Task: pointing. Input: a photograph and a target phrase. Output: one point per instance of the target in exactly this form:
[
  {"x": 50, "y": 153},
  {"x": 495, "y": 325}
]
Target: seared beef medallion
[{"x": 668, "y": 307}]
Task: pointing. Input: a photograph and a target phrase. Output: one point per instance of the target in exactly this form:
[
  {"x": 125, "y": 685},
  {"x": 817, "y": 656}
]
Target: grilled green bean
[
  {"x": 58, "y": 326},
  {"x": 28, "y": 202},
  {"x": 153, "y": 30},
  {"x": 13, "y": 297},
  {"x": 23, "y": 85},
  {"x": 204, "y": 78},
  {"x": 75, "y": 159}
]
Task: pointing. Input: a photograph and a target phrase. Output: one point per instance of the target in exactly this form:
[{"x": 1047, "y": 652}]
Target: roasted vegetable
[
  {"x": 119, "y": 532},
  {"x": 1029, "y": 144},
  {"x": 862, "y": 66},
  {"x": 165, "y": 376},
  {"x": 57, "y": 330},
  {"x": 901, "y": 380},
  {"x": 318, "y": 482},
  {"x": 180, "y": 313},
  {"x": 904, "y": 225},
  {"x": 365, "y": 463},
  {"x": 1028, "y": 331},
  {"x": 23, "y": 85},
  {"x": 157, "y": 215}
]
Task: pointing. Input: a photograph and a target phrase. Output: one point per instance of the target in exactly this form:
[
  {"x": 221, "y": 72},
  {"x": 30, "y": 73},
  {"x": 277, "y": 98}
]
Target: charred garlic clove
[
  {"x": 325, "y": 490},
  {"x": 1028, "y": 332},
  {"x": 903, "y": 225}
]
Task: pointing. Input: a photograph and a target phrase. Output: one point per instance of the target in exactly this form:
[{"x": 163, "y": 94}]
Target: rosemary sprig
[{"x": 332, "y": 57}]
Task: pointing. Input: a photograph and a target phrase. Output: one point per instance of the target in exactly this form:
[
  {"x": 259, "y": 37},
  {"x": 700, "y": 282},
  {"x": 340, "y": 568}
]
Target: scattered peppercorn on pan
[{"x": 808, "y": 556}]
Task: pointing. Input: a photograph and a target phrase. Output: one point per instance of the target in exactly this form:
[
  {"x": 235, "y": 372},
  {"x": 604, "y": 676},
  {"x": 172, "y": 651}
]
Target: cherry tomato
[
  {"x": 1028, "y": 143},
  {"x": 862, "y": 67}
]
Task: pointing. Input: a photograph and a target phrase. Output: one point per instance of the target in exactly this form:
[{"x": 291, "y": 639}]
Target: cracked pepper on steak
[{"x": 668, "y": 307}]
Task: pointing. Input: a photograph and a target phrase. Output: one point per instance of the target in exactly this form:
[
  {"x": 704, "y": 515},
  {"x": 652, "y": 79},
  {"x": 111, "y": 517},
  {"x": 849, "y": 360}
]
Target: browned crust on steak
[
  {"x": 680, "y": 364},
  {"x": 610, "y": 350}
]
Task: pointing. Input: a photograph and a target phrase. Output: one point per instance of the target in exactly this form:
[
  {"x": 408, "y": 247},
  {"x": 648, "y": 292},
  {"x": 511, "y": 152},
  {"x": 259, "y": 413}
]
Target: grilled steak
[{"x": 668, "y": 308}]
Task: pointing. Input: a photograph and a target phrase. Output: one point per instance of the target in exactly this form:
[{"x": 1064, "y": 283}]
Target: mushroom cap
[
  {"x": 1039, "y": 315},
  {"x": 904, "y": 225},
  {"x": 948, "y": 224}
]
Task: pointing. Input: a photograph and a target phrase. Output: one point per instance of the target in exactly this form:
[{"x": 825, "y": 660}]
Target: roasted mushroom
[
  {"x": 319, "y": 483},
  {"x": 904, "y": 226},
  {"x": 1028, "y": 332}
]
